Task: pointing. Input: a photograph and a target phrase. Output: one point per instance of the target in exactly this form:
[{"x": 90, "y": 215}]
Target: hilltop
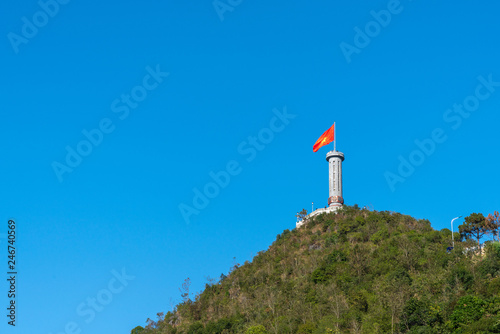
[{"x": 353, "y": 271}]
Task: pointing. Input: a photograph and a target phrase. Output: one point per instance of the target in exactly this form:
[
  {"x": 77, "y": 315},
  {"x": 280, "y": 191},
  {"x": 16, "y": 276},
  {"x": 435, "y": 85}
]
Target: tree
[
  {"x": 493, "y": 222},
  {"x": 137, "y": 330},
  {"x": 150, "y": 323},
  {"x": 185, "y": 290},
  {"x": 301, "y": 215},
  {"x": 475, "y": 227}
]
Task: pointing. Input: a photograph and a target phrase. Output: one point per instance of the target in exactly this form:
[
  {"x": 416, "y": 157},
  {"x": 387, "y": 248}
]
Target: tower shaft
[{"x": 335, "y": 159}]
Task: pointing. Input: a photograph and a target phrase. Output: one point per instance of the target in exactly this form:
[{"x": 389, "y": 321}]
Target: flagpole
[{"x": 334, "y": 137}]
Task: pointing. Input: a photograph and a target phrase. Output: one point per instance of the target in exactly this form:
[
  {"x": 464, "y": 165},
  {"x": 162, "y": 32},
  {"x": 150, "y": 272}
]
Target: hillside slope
[{"x": 354, "y": 271}]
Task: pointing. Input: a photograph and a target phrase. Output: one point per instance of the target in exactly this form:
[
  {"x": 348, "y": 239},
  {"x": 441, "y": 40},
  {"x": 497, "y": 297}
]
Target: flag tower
[{"x": 335, "y": 159}]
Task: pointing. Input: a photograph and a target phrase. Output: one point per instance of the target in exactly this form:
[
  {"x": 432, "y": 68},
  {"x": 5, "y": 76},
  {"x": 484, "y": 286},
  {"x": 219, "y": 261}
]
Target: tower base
[
  {"x": 335, "y": 200},
  {"x": 332, "y": 208}
]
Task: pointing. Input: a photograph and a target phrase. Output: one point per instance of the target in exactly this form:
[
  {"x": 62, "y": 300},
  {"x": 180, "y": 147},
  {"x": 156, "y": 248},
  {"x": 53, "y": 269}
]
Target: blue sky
[{"x": 172, "y": 91}]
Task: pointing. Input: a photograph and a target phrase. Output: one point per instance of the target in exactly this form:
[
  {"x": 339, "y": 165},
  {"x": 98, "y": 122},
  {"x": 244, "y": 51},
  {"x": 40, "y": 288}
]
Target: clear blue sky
[{"x": 89, "y": 65}]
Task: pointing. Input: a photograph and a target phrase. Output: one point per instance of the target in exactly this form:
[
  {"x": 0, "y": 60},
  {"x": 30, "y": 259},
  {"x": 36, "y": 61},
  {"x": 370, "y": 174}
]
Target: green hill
[{"x": 354, "y": 271}]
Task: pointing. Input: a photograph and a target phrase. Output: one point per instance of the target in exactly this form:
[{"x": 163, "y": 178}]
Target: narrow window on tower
[{"x": 334, "y": 178}]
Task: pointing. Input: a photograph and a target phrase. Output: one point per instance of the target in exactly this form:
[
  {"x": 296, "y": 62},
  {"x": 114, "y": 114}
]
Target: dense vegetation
[{"x": 355, "y": 271}]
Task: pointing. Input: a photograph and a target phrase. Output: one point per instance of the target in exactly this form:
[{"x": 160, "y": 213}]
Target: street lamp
[{"x": 452, "y": 239}]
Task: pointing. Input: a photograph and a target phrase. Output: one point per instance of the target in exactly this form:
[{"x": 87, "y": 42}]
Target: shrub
[
  {"x": 461, "y": 275},
  {"x": 468, "y": 310},
  {"x": 417, "y": 315},
  {"x": 307, "y": 328},
  {"x": 196, "y": 328},
  {"x": 259, "y": 329}
]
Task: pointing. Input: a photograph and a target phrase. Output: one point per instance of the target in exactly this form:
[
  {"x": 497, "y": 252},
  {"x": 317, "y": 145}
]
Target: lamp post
[{"x": 452, "y": 239}]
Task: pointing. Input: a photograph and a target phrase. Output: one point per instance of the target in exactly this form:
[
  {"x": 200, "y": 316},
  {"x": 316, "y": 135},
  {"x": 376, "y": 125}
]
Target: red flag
[{"x": 325, "y": 139}]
